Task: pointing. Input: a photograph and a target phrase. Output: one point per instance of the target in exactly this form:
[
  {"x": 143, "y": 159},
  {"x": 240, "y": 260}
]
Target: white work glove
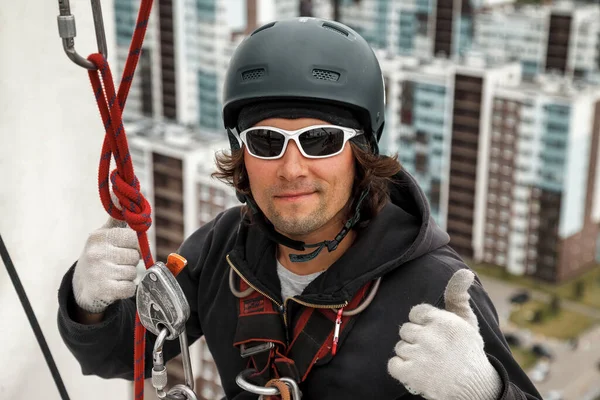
[
  {"x": 107, "y": 267},
  {"x": 440, "y": 355}
]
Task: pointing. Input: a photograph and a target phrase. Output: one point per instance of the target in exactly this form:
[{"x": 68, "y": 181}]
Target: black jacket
[{"x": 402, "y": 244}]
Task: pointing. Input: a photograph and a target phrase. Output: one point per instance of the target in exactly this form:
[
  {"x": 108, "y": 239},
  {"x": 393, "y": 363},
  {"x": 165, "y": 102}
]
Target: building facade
[
  {"x": 543, "y": 188},
  {"x": 561, "y": 38},
  {"x": 509, "y": 167}
]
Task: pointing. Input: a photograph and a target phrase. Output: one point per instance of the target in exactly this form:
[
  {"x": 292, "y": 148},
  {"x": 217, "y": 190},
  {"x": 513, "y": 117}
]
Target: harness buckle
[{"x": 249, "y": 351}]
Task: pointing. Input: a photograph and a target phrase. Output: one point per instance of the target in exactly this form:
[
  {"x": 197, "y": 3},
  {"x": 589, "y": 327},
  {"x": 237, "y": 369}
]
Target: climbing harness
[
  {"x": 280, "y": 355},
  {"x": 135, "y": 208}
]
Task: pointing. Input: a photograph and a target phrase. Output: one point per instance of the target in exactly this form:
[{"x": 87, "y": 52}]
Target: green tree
[{"x": 538, "y": 316}]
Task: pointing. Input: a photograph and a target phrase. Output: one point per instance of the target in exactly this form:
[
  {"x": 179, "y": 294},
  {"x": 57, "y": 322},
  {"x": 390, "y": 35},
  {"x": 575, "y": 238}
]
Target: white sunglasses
[{"x": 317, "y": 141}]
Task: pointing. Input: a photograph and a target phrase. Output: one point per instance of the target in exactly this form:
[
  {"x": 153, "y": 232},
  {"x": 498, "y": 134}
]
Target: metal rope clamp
[
  {"x": 164, "y": 310},
  {"x": 243, "y": 382}
]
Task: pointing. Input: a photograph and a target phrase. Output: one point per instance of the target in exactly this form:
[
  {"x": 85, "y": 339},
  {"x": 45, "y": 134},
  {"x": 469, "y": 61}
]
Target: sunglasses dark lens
[
  {"x": 322, "y": 141},
  {"x": 265, "y": 142}
]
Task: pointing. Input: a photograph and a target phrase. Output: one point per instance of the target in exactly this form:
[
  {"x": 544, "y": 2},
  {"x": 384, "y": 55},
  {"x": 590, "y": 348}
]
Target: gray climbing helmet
[{"x": 306, "y": 59}]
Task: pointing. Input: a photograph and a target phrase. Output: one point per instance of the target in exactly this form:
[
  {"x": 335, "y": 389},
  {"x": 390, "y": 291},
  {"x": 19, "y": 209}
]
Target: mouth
[{"x": 294, "y": 196}]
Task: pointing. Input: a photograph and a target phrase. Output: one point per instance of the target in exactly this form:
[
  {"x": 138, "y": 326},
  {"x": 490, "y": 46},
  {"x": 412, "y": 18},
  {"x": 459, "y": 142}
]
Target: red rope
[{"x": 135, "y": 208}]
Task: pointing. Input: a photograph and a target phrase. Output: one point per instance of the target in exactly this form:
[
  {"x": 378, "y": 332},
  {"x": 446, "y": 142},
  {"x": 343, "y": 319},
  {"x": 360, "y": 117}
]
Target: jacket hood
[{"x": 401, "y": 232}]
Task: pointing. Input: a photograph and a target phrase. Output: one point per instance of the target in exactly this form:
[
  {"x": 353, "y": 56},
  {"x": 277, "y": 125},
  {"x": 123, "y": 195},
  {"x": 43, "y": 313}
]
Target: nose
[{"x": 293, "y": 163}]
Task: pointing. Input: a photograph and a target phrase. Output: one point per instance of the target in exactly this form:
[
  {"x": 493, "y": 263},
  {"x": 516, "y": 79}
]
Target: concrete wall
[{"x": 50, "y": 140}]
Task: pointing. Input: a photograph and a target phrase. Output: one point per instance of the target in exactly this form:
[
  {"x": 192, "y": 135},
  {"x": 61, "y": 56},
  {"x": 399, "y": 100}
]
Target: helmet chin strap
[{"x": 298, "y": 245}]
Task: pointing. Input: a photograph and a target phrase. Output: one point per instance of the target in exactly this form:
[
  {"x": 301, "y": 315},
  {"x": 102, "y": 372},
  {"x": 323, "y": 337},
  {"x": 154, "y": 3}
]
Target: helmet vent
[
  {"x": 334, "y": 28},
  {"x": 252, "y": 74},
  {"x": 325, "y": 75},
  {"x": 262, "y": 28}
]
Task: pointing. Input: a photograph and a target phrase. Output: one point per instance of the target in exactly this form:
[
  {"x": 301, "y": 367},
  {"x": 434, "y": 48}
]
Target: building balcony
[
  {"x": 168, "y": 194},
  {"x": 462, "y": 166},
  {"x": 169, "y": 171},
  {"x": 458, "y": 150},
  {"x": 462, "y": 182},
  {"x": 170, "y": 234},
  {"x": 461, "y": 212},
  {"x": 461, "y": 197},
  {"x": 173, "y": 215}
]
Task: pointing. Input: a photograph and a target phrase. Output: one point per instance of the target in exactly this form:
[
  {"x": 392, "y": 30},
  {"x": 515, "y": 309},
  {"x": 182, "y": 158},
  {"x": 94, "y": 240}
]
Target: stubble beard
[{"x": 296, "y": 224}]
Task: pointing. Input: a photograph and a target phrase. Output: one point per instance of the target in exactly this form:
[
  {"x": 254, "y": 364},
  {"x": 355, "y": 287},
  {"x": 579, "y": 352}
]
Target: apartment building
[
  {"x": 367, "y": 17},
  {"x": 186, "y": 52},
  {"x": 420, "y": 28},
  {"x": 497, "y": 159},
  {"x": 558, "y": 38},
  {"x": 437, "y": 120},
  {"x": 543, "y": 211}
]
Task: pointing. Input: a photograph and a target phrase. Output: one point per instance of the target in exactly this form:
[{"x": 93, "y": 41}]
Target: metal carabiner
[
  {"x": 243, "y": 381},
  {"x": 159, "y": 370},
  {"x": 68, "y": 31}
]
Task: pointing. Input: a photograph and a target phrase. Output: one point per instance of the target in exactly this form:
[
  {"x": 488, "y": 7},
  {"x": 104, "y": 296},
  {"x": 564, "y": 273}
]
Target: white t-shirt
[{"x": 291, "y": 283}]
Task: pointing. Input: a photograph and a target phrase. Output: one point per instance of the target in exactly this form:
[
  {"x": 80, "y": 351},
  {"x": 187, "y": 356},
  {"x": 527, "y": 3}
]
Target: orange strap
[{"x": 284, "y": 390}]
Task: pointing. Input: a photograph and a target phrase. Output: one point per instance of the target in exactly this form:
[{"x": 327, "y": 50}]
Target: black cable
[{"x": 14, "y": 277}]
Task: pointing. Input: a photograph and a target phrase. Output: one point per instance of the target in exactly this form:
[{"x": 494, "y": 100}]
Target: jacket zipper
[{"x": 283, "y": 307}]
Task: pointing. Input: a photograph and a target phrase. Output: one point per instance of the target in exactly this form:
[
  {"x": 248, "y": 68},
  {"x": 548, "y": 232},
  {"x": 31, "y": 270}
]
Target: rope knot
[{"x": 135, "y": 209}]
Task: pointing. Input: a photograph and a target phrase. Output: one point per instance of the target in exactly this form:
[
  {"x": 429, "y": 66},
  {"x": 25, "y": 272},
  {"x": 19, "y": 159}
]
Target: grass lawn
[
  {"x": 525, "y": 358},
  {"x": 566, "y": 290},
  {"x": 565, "y": 325}
]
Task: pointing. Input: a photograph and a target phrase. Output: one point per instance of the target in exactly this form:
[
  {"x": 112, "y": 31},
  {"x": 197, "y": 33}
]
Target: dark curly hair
[{"x": 375, "y": 171}]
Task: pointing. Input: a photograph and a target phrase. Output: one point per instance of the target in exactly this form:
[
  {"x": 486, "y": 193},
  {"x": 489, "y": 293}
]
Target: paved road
[{"x": 573, "y": 372}]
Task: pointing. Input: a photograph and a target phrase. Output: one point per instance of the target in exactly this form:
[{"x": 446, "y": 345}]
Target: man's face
[{"x": 297, "y": 194}]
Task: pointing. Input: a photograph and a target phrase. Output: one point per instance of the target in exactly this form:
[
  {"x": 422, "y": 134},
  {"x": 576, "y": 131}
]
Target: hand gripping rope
[{"x": 136, "y": 209}]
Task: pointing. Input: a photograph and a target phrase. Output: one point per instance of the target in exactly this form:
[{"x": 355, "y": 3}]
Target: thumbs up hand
[{"x": 440, "y": 354}]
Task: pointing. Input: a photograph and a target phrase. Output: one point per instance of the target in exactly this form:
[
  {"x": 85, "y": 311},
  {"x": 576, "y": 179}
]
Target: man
[{"x": 333, "y": 252}]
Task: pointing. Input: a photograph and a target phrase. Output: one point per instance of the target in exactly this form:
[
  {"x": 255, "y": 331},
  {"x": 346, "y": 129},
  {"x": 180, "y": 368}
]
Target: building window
[
  {"x": 421, "y": 163},
  {"x": 503, "y": 230},
  {"x": 204, "y": 193}
]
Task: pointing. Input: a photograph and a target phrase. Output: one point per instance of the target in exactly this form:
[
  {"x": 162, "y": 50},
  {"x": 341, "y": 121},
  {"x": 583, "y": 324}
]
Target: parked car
[
  {"x": 520, "y": 297},
  {"x": 512, "y": 339},
  {"x": 553, "y": 395},
  {"x": 540, "y": 371},
  {"x": 541, "y": 350}
]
